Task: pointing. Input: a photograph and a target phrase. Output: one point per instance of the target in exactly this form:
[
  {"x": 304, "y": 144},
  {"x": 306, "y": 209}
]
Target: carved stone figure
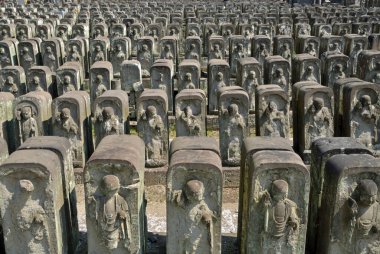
[
  {"x": 98, "y": 54},
  {"x": 261, "y": 53},
  {"x": 145, "y": 57},
  {"x": 249, "y": 86},
  {"x": 188, "y": 83},
  {"x": 30, "y": 220},
  {"x": 118, "y": 56},
  {"x": 285, "y": 52},
  {"x": 310, "y": 49},
  {"x": 67, "y": 84},
  {"x": 192, "y": 52},
  {"x": 26, "y": 123},
  {"x": 319, "y": 121},
  {"x": 74, "y": 55},
  {"x": 375, "y": 73},
  {"x": 364, "y": 218},
  {"x": 219, "y": 83},
  {"x": 111, "y": 212},
  {"x": 234, "y": 132},
  {"x": 26, "y": 58},
  {"x": 167, "y": 53},
  {"x": 35, "y": 84},
  {"x": 216, "y": 52},
  {"x": 191, "y": 121},
  {"x": 237, "y": 53},
  {"x": 4, "y": 58},
  {"x": 10, "y": 86},
  {"x": 274, "y": 121},
  {"x": 199, "y": 218},
  {"x": 49, "y": 59},
  {"x": 309, "y": 74},
  {"x": 279, "y": 78},
  {"x": 100, "y": 87},
  {"x": 363, "y": 123},
  {"x": 281, "y": 223},
  {"x": 354, "y": 57},
  {"x": 337, "y": 73},
  {"x": 110, "y": 122},
  {"x": 161, "y": 83},
  {"x": 62, "y": 33},
  {"x": 153, "y": 126}
]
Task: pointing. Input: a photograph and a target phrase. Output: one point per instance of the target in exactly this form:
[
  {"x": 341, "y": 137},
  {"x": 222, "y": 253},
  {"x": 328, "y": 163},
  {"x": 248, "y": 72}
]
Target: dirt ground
[{"x": 156, "y": 214}]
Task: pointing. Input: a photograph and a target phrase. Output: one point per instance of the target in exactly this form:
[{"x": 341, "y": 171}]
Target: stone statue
[
  {"x": 198, "y": 221},
  {"x": 216, "y": 52},
  {"x": 69, "y": 129},
  {"x": 236, "y": 55},
  {"x": 30, "y": 221},
  {"x": 167, "y": 53},
  {"x": 97, "y": 33},
  {"x": 234, "y": 132},
  {"x": 26, "y": 58},
  {"x": 375, "y": 73},
  {"x": 4, "y": 58},
  {"x": 281, "y": 223},
  {"x": 112, "y": 215},
  {"x": 286, "y": 52},
  {"x": 219, "y": 83},
  {"x": 250, "y": 84},
  {"x": 188, "y": 83},
  {"x": 278, "y": 78},
  {"x": 100, "y": 87},
  {"x": 4, "y": 34},
  {"x": 364, "y": 121},
  {"x": 74, "y": 55},
  {"x": 192, "y": 52},
  {"x": 160, "y": 82},
  {"x": 62, "y": 33},
  {"x": 109, "y": 121},
  {"x": 22, "y": 35},
  {"x": 145, "y": 58},
  {"x": 49, "y": 59},
  {"x": 364, "y": 219},
  {"x": 337, "y": 73},
  {"x": 261, "y": 53},
  {"x": 310, "y": 49},
  {"x": 354, "y": 57},
  {"x": 98, "y": 54},
  {"x": 153, "y": 134},
  {"x": 10, "y": 86},
  {"x": 191, "y": 121},
  {"x": 119, "y": 55},
  {"x": 26, "y": 123},
  {"x": 67, "y": 85},
  {"x": 274, "y": 121},
  {"x": 319, "y": 121},
  {"x": 42, "y": 34},
  {"x": 309, "y": 74},
  {"x": 35, "y": 84}
]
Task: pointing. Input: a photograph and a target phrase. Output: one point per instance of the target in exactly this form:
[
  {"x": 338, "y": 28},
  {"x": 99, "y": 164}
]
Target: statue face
[
  {"x": 36, "y": 80},
  {"x": 152, "y": 111},
  {"x": 188, "y": 77},
  {"x": 66, "y": 79},
  {"x": 65, "y": 113},
  {"x": 2, "y": 50},
  {"x": 99, "y": 78},
  {"x": 108, "y": 113},
  {"x": 145, "y": 47},
  {"x": 219, "y": 76},
  {"x": 194, "y": 191},
  {"x": 26, "y": 112},
  {"x": 10, "y": 80},
  {"x": 48, "y": 49}
]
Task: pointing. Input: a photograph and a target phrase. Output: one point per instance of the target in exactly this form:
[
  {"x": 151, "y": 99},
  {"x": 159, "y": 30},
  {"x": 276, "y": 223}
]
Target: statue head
[
  {"x": 262, "y": 46},
  {"x": 48, "y": 49},
  {"x": 194, "y": 191},
  {"x": 98, "y": 48},
  {"x": 151, "y": 111},
  {"x": 309, "y": 69},
  {"x": 144, "y": 47},
  {"x": 167, "y": 47},
  {"x": 2, "y": 50},
  {"x": 25, "y": 51},
  {"x": 338, "y": 68},
  {"x": 232, "y": 109},
  {"x": 36, "y": 80},
  {"x": 279, "y": 72},
  {"x": 272, "y": 106},
  {"x": 286, "y": 46},
  {"x": 216, "y": 47},
  {"x": 239, "y": 47},
  {"x": 188, "y": 111},
  {"x": 219, "y": 76},
  {"x": 310, "y": 46},
  {"x": 279, "y": 190},
  {"x": 365, "y": 100},
  {"x": 99, "y": 78},
  {"x": 251, "y": 75},
  {"x": 188, "y": 76},
  {"x": 26, "y": 186},
  {"x": 26, "y": 112},
  {"x": 318, "y": 103},
  {"x": 358, "y": 46},
  {"x": 9, "y": 79},
  {"x": 65, "y": 113},
  {"x": 367, "y": 190},
  {"x": 110, "y": 185},
  {"x": 192, "y": 46},
  {"x": 108, "y": 112}
]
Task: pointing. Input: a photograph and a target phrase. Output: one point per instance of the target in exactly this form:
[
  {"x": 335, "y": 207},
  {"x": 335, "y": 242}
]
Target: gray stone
[
  {"x": 152, "y": 126},
  {"x": 52, "y": 53},
  {"x": 6, "y": 119},
  {"x": 32, "y": 114},
  {"x": 261, "y": 48},
  {"x": 306, "y": 68},
  {"x": 191, "y": 111},
  {"x": 189, "y": 74},
  {"x": 233, "y": 124},
  {"x": 32, "y": 205},
  {"x": 321, "y": 150},
  {"x": 28, "y": 53},
  {"x": 275, "y": 206},
  {"x": 194, "y": 202},
  {"x": 368, "y": 67},
  {"x": 111, "y": 114},
  {"x": 115, "y": 175},
  {"x": 120, "y": 51},
  {"x": 39, "y": 78},
  {"x": 69, "y": 78},
  {"x": 169, "y": 49},
  {"x": 77, "y": 51},
  {"x": 342, "y": 29},
  {"x": 71, "y": 114},
  {"x": 238, "y": 50},
  {"x": 63, "y": 31},
  {"x": 272, "y": 111},
  {"x": 218, "y": 77},
  {"x": 216, "y": 48},
  {"x": 308, "y": 45},
  {"x": 347, "y": 220},
  {"x": 100, "y": 47},
  {"x": 101, "y": 75},
  {"x": 162, "y": 72},
  {"x": 194, "y": 143},
  {"x": 283, "y": 45},
  {"x": 23, "y": 32},
  {"x": 193, "y": 47},
  {"x": 331, "y": 44},
  {"x": 8, "y": 54},
  {"x": 13, "y": 80},
  {"x": 278, "y": 72},
  {"x": 334, "y": 67},
  {"x": 145, "y": 54}
]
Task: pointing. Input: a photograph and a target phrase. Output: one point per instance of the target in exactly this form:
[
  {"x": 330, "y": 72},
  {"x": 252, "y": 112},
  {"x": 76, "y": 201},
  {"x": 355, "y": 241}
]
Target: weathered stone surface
[
  {"x": 275, "y": 206},
  {"x": 6, "y": 119},
  {"x": 306, "y": 68},
  {"x": 218, "y": 77},
  {"x": 114, "y": 190},
  {"x": 101, "y": 75},
  {"x": 4, "y": 153},
  {"x": 111, "y": 115},
  {"x": 32, "y": 204},
  {"x": 321, "y": 150},
  {"x": 39, "y": 78},
  {"x": 350, "y": 208},
  {"x": 191, "y": 111},
  {"x": 194, "y": 143},
  {"x": 145, "y": 54},
  {"x": 32, "y": 114},
  {"x": 189, "y": 74},
  {"x": 162, "y": 72},
  {"x": 194, "y": 202},
  {"x": 61, "y": 147},
  {"x": 334, "y": 67},
  {"x": 13, "y": 80},
  {"x": 69, "y": 77},
  {"x": 71, "y": 119},
  {"x": 278, "y": 72},
  {"x": 152, "y": 126},
  {"x": 368, "y": 67},
  {"x": 52, "y": 53},
  {"x": 100, "y": 47}
]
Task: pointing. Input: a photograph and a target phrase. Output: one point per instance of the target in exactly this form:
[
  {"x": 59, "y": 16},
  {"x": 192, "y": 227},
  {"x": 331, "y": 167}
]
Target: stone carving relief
[
  {"x": 144, "y": 56},
  {"x": 10, "y": 85},
  {"x": 358, "y": 48},
  {"x": 261, "y": 53},
  {"x": 274, "y": 122},
  {"x": 50, "y": 59},
  {"x": 26, "y": 122},
  {"x": 250, "y": 84},
  {"x": 109, "y": 121},
  {"x": 309, "y": 74}
]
